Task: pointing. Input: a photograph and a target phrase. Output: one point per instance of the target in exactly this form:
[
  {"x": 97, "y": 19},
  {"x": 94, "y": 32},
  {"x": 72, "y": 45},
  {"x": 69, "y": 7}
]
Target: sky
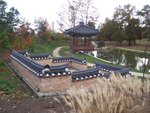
[{"x": 32, "y": 9}]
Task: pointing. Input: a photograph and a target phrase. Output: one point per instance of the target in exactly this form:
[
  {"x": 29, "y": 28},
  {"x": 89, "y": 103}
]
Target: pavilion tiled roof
[{"x": 82, "y": 30}]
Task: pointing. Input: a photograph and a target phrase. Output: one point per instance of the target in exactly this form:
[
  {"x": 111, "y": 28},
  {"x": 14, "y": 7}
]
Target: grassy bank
[{"x": 10, "y": 84}]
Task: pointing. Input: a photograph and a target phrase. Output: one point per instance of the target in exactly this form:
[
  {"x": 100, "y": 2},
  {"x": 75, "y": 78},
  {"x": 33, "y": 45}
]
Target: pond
[{"x": 129, "y": 59}]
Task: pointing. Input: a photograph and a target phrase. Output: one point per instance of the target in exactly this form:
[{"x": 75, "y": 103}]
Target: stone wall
[
  {"x": 51, "y": 85},
  {"x": 71, "y": 64},
  {"x": 55, "y": 84},
  {"x": 41, "y": 84},
  {"x": 26, "y": 75},
  {"x": 85, "y": 83},
  {"x": 78, "y": 66}
]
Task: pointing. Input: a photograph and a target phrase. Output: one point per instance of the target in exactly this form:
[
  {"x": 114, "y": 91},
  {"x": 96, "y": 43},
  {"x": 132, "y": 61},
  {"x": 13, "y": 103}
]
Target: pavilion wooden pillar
[
  {"x": 89, "y": 40},
  {"x": 76, "y": 41},
  {"x": 73, "y": 41},
  {"x": 85, "y": 41}
]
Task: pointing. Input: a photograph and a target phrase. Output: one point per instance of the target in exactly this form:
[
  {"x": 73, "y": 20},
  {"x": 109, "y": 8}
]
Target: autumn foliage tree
[
  {"x": 24, "y": 37},
  {"x": 43, "y": 30}
]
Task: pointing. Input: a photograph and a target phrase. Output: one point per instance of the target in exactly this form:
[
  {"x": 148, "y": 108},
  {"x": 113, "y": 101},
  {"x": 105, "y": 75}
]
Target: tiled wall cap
[
  {"x": 53, "y": 74},
  {"x": 47, "y": 75},
  {"x": 77, "y": 78},
  {"x": 66, "y": 69},
  {"x": 81, "y": 78}
]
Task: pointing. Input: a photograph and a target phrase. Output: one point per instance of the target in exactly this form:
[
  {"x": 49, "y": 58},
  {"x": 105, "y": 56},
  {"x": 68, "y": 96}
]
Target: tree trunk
[
  {"x": 129, "y": 43},
  {"x": 120, "y": 43}
]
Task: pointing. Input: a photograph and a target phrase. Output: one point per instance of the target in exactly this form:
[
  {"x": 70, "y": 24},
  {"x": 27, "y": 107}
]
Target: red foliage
[
  {"x": 23, "y": 43},
  {"x": 24, "y": 37}
]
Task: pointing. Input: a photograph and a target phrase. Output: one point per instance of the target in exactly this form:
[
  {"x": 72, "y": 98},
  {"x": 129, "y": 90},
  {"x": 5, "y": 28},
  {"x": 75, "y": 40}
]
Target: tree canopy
[{"x": 76, "y": 11}]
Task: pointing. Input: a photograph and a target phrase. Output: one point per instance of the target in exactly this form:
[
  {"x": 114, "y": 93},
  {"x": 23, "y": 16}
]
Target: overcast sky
[{"x": 31, "y": 9}]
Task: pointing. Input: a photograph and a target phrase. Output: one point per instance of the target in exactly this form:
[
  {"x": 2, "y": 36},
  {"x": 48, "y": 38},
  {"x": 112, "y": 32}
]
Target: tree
[
  {"x": 3, "y": 16},
  {"x": 69, "y": 13},
  {"x": 8, "y": 20},
  {"x": 131, "y": 30},
  {"x": 77, "y": 10},
  {"x": 88, "y": 12},
  {"x": 43, "y": 30},
  {"x": 108, "y": 29},
  {"x": 145, "y": 18},
  {"x": 125, "y": 16},
  {"x": 23, "y": 36},
  {"x": 13, "y": 18},
  {"x": 119, "y": 36}
]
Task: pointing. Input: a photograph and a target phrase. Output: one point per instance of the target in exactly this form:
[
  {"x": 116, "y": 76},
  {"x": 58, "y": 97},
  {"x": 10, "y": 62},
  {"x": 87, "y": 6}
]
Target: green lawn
[
  {"x": 65, "y": 51},
  {"x": 46, "y": 47}
]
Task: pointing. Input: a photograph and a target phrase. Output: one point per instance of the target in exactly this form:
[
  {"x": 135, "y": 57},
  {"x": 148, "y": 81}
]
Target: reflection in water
[
  {"x": 125, "y": 58},
  {"x": 94, "y": 53},
  {"x": 141, "y": 62}
]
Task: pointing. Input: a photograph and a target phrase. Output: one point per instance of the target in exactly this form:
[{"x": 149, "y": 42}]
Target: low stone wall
[
  {"x": 26, "y": 75},
  {"x": 51, "y": 85},
  {"x": 71, "y": 64},
  {"x": 55, "y": 84},
  {"x": 78, "y": 66},
  {"x": 41, "y": 84}
]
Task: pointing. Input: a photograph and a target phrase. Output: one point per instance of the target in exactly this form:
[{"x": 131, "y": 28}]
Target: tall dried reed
[{"x": 115, "y": 95}]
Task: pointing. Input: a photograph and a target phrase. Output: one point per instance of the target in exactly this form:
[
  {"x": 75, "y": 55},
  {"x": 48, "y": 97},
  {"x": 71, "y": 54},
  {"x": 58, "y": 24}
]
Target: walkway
[
  {"x": 132, "y": 49},
  {"x": 56, "y": 51}
]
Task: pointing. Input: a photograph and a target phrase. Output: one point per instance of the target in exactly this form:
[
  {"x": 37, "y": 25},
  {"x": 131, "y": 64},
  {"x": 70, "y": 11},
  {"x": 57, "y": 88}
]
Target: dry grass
[{"x": 116, "y": 95}]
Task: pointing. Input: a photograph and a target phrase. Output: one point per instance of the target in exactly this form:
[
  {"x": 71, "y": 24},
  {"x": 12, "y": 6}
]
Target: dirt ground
[{"x": 31, "y": 105}]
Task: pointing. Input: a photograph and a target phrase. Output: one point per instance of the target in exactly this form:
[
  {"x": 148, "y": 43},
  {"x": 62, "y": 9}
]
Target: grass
[
  {"x": 143, "y": 41},
  {"x": 89, "y": 58},
  {"x": 65, "y": 51},
  {"x": 116, "y": 95},
  {"x": 46, "y": 47},
  {"x": 10, "y": 84}
]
